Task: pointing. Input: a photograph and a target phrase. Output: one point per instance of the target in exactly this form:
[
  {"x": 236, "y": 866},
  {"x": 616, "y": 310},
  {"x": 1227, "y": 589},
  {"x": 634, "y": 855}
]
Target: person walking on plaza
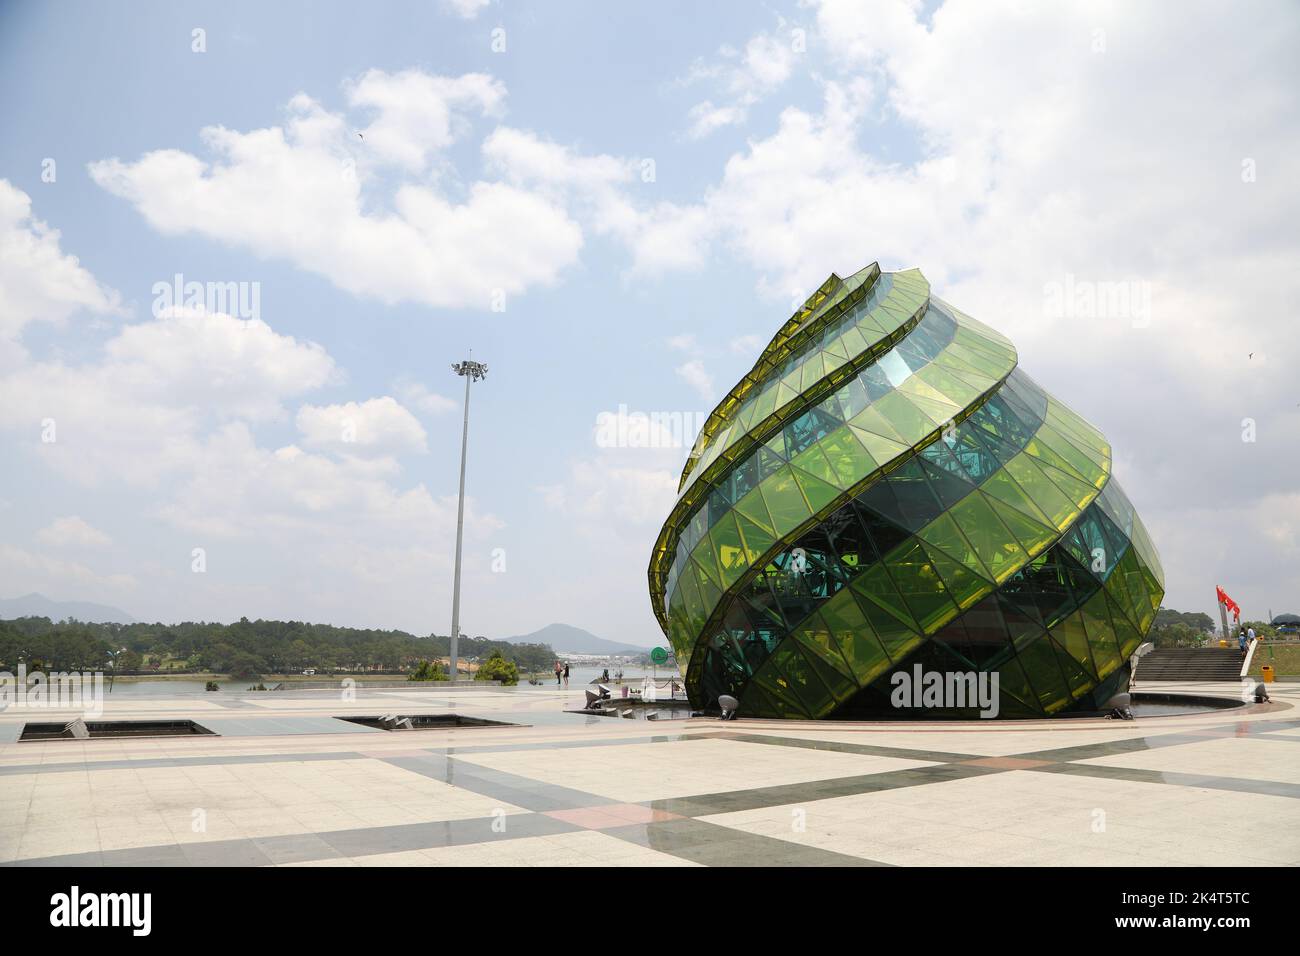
[
  {"x": 559, "y": 669},
  {"x": 566, "y": 675},
  {"x": 1241, "y": 642}
]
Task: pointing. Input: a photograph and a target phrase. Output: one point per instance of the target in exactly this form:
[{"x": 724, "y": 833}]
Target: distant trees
[
  {"x": 1197, "y": 620},
  {"x": 245, "y": 649},
  {"x": 69, "y": 646},
  {"x": 1181, "y": 628}
]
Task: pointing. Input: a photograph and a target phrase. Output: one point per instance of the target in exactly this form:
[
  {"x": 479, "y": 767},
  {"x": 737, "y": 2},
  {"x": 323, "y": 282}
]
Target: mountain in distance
[
  {"x": 38, "y": 605},
  {"x": 567, "y": 639}
]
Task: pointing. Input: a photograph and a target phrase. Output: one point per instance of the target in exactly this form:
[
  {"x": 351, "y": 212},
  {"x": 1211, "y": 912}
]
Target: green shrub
[
  {"x": 497, "y": 668},
  {"x": 428, "y": 670}
]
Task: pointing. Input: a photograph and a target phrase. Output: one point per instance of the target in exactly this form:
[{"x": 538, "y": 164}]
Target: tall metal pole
[{"x": 471, "y": 371}]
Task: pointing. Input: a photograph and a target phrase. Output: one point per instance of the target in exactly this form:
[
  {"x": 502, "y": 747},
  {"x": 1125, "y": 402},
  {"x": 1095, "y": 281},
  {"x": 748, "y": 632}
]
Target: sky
[{"x": 241, "y": 245}]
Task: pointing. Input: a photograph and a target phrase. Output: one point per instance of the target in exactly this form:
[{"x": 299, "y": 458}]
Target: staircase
[{"x": 1190, "y": 664}]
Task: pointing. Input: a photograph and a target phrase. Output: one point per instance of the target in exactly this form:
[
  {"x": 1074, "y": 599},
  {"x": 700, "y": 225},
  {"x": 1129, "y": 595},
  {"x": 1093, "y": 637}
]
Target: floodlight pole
[{"x": 471, "y": 371}]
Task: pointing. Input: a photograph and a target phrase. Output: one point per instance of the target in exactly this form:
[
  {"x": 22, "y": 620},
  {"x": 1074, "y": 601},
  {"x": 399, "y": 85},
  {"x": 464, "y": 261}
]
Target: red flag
[{"x": 1228, "y": 602}]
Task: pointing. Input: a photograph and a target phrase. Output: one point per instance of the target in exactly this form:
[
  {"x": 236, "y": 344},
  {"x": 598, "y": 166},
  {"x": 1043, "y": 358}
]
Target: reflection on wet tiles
[
  {"x": 1269, "y": 787},
  {"x": 713, "y": 845}
]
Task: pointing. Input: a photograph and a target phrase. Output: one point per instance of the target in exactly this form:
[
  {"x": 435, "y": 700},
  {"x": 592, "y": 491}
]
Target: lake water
[{"x": 147, "y": 687}]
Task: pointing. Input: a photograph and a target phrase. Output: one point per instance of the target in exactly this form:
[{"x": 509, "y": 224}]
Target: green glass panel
[
  {"x": 815, "y": 634},
  {"x": 907, "y": 419},
  {"x": 828, "y": 670},
  {"x": 964, "y": 586},
  {"x": 1120, "y": 600},
  {"x": 1039, "y": 661},
  {"x": 1079, "y": 463},
  {"x": 1046, "y": 497},
  {"x": 813, "y": 371},
  {"x": 1072, "y": 635},
  {"x": 871, "y": 420},
  {"x": 755, "y": 703},
  {"x": 729, "y": 549},
  {"x": 1064, "y": 420},
  {"x": 792, "y": 667},
  {"x": 920, "y": 587},
  {"x": 691, "y": 603},
  {"x": 964, "y": 372},
  {"x": 1132, "y": 573},
  {"x": 853, "y": 342},
  {"x": 849, "y": 461},
  {"x": 997, "y": 549},
  {"x": 709, "y": 592},
  {"x": 1033, "y": 537},
  {"x": 942, "y": 533},
  {"x": 785, "y": 394},
  {"x": 876, "y": 583},
  {"x": 703, "y": 561},
  {"x": 933, "y": 404},
  {"x": 1076, "y": 678},
  {"x": 1013, "y": 683},
  {"x": 756, "y": 540},
  {"x": 754, "y": 508},
  {"x": 818, "y": 492},
  {"x": 781, "y": 698},
  {"x": 765, "y": 404},
  {"x": 834, "y": 350},
  {"x": 785, "y": 502},
  {"x": 880, "y": 448},
  {"x": 862, "y": 649},
  {"x": 896, "y": 638},
  {"x": 1004, "y": 488},
  {"x": 951, "y": 387},
  {"x": 1127, "y": 636},
  {"x": 1146, "y": 553},
  {"x": 812, "y": 460},
  {"x": 1040, "y": 450},
  {"x": 1101, "y": 636}
]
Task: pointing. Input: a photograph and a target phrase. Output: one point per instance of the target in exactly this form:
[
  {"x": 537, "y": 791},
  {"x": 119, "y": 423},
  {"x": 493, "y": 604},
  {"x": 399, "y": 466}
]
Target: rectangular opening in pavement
[
  {"x": 425, "y": 721},
  {"x": 80, "y": 729}
]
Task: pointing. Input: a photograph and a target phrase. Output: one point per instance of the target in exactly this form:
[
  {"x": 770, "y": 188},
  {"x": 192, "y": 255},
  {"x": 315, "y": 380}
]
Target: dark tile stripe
[
  {"x": 1237, "y": 784},
  {"x": 713, "y": 845}
]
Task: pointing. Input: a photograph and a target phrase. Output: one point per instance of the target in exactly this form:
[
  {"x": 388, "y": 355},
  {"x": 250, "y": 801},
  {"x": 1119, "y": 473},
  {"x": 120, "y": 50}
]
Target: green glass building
[{"x": 887, "y": 489}]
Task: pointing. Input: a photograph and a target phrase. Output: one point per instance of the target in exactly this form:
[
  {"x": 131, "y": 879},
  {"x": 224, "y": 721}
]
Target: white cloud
[
  {"x": 466, "y": 9},
  {"x": 418, "y": 115},
  {"x": 375, "y": 425},
  {"x": 706, "y": 117},
  {"x": 682, "y": 343},
  {"x": 72, "y": 531},
  {"x": 307, "y": 192},
  {"x": 694, "y": 374},
  {"x": 236, "y": 488},
  {"x": 744, "y": 77},
  {"x": 136, "y": 413},
  {"x": 595, "y": 185},
  {"x": 419, "y": 396},
  {"x": 38, "y": 281},
  {"x": 621, "y": 486}
]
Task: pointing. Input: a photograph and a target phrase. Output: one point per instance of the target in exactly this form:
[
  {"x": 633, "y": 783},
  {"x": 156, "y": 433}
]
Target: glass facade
[{"x": 885, "y": 489}]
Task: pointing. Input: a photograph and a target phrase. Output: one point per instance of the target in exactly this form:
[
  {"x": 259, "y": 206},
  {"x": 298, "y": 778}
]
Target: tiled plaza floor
[{"x": 287, "y": 783}]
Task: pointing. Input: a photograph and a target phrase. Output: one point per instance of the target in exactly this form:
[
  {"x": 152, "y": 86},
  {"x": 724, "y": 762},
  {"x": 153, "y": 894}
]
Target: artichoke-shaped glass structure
[{"x": 887, "y": 489}]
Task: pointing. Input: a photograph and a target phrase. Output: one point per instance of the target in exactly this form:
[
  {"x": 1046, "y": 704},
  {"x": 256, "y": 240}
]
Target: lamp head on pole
[{"x": 475, "y": 370}]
